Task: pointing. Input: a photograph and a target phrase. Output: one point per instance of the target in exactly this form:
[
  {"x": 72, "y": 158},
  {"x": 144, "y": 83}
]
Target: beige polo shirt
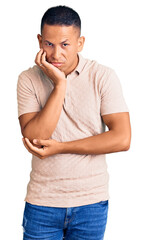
[{"x": 69, "y": 180}]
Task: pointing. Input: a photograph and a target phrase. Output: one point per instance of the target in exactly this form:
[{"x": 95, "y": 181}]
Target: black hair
[{"x": 61, "y": 15}]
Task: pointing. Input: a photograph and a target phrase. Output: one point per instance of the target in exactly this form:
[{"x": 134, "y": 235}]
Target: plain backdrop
[{"x": 116, "y": 36}]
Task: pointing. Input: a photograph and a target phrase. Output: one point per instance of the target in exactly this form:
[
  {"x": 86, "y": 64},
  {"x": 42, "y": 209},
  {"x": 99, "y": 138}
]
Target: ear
[
  {"x": 81, "y": 41},
  {"x": 40, "y": 40}
]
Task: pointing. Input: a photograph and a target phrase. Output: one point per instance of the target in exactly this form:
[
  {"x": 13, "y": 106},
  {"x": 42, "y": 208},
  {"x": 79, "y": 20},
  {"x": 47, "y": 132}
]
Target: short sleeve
[
  {"x": 112, "y": 99},
  {"x": 26, "y": 96}
]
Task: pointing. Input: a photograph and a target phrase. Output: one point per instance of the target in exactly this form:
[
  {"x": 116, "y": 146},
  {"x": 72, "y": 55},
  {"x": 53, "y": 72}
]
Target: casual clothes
[
  {"x": 70, "y": 180},
  {"x": 83, "y": 222}
]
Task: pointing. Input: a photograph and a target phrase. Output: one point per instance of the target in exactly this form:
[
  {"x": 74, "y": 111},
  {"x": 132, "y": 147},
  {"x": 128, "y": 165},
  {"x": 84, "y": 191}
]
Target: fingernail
[{"x": 35, "y": 140}]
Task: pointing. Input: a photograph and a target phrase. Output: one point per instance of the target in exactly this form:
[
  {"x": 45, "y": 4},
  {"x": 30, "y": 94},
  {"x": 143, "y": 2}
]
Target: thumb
[{"x": 40, "y": 142}]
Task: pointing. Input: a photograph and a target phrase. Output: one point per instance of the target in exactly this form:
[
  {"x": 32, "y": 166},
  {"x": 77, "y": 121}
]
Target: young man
[{"x": 64, "y": 103}]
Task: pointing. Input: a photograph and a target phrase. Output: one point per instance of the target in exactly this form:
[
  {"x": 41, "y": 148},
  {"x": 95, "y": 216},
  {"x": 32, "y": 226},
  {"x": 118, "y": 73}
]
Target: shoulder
[
  {"x": 103, "y": 76},
  {"x": 97, "y": 68},
  {"x": 31, "y": 77},
  {"x": 98, "y": 72},
  {"x": 31, "y": 73}
]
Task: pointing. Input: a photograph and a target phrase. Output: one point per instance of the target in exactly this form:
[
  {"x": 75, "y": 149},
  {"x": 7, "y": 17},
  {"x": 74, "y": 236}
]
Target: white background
[{"x": 116, "y": 36}]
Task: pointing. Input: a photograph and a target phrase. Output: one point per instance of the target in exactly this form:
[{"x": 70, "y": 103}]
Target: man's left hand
[{"x": 42, "y": 148}]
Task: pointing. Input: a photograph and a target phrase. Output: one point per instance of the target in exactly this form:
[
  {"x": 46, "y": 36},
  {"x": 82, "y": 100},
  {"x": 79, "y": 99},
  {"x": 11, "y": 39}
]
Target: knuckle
[
  {"x": 36, "y": 62},
  {"x": 42, "y": 154}
]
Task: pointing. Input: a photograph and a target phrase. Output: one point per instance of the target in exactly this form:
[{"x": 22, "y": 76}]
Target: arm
[
  {"x": 42, "y": 124},
  {"x": 115, "y": 140}
]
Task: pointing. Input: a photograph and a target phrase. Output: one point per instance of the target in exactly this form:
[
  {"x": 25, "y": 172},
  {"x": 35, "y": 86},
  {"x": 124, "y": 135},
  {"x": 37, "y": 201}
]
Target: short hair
[{"x": 61, "y": 15}]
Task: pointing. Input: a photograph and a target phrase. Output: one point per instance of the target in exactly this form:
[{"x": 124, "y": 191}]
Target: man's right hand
[{"x": 56, "y": 75}]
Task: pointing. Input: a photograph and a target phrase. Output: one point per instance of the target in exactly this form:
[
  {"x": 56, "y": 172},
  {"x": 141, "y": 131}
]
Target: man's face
[{"x": 61, "y": 44}]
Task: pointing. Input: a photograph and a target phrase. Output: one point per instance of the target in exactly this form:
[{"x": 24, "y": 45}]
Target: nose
[{"x": 56, "y": 53}]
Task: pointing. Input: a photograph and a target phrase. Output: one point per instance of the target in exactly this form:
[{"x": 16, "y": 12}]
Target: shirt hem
[{"x": 64, "y": 203}]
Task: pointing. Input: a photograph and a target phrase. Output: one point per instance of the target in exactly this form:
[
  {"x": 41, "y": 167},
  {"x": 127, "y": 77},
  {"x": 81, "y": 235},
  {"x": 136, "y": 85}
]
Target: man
[{"x": 64, "y": 103}]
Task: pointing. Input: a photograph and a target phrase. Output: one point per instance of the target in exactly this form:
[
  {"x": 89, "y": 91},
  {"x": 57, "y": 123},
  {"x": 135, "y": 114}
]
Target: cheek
[
  {"x": 70, "y": 52},
  {"x": 47, "y": 50}
]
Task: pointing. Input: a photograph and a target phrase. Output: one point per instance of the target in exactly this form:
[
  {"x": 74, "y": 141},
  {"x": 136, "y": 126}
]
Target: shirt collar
[
  {"x": 79, "y": 67},
  {"x": 81, "y": 64}
]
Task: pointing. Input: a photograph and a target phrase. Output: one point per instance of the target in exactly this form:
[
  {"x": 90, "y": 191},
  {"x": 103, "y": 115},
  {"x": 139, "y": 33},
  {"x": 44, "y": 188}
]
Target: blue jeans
[{"x": 72, "y": 223}]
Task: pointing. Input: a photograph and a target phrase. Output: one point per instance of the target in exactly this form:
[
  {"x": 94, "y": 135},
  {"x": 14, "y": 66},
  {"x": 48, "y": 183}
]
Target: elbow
[
  {"x": 25, "y": 133},
  {"x": 126, "y": 147},
  {"x": 32, "y": 134},
  {"x": 126, "y": 142}
]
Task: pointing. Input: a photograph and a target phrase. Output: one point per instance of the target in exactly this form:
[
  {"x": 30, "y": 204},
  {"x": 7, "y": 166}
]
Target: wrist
[
  {"x": 63, "y": 147},
  {"x": 61, "y": 84}
]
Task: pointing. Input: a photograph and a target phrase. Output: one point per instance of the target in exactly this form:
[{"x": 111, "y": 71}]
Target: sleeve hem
[{"x": 107, "y": 113}]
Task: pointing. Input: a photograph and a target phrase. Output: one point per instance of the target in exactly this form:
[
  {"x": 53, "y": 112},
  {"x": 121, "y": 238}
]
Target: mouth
[{"x": 57, "y": 64}]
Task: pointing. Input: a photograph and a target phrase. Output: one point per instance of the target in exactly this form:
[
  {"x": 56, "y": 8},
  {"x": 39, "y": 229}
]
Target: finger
[
  {"x": 39, "y": 151},
  {"x": 38, "y": 57},
  {"x": 43, "y": 61},
  {"x": 26, "y": 146},
  {"x": 32, "y": 152},
  {"x": 46, "y": 64},
  {"x": 41, "y": 142}
]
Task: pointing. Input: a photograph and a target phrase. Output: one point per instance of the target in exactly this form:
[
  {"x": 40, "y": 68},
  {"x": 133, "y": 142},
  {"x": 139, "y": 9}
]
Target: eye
[
  {"x": 48, "y": 44},
  {"x": 65, "y": 44}
]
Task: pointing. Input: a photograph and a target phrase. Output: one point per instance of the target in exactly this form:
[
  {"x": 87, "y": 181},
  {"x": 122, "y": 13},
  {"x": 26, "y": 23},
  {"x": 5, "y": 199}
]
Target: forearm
[
  {"x": 44, "y": 123},
  {"x": 107, "y": 142}
]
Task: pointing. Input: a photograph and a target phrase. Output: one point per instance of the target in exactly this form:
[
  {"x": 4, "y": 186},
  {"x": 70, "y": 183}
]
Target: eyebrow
[{"x": 61, "y": 42}]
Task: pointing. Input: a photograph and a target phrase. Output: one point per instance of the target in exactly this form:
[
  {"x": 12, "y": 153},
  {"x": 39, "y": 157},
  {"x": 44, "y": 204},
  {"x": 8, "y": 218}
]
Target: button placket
[
  {"x": 67, "y": 94},
  {"x": 71, "y": 77}
]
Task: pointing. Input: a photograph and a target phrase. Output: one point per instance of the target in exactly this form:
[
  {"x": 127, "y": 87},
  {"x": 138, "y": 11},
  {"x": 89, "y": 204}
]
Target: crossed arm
[
  {"x": 116, "y": 139},
  {"x": 37, "y": 127}
]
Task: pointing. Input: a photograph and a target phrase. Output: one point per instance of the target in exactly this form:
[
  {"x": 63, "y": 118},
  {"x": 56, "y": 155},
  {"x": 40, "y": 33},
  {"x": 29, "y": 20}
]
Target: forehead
[{"x": 58, "y": 32}]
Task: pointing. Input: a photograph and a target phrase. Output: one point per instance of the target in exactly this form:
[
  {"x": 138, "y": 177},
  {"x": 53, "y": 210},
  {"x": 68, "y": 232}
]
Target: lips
[{"x": 57, "y": 64}]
